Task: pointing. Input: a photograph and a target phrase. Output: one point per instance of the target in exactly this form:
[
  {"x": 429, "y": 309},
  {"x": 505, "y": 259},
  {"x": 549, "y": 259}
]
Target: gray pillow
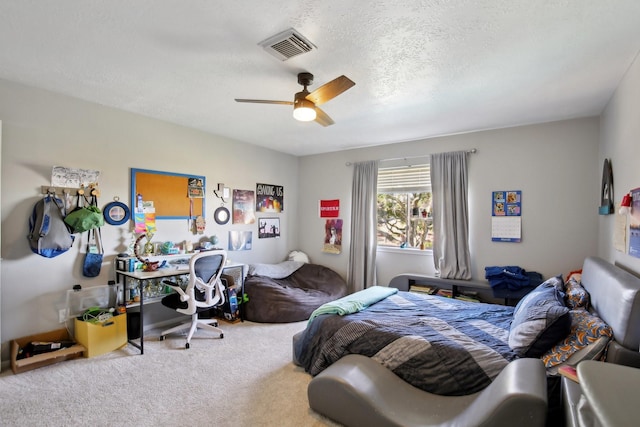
[
  {"x": 540, "y": 320},
  {"x": 275, "y": 271}
]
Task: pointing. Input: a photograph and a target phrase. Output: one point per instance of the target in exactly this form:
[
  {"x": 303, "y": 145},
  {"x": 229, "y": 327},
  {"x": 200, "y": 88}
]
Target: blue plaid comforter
[{"x": 441, "y": 345}]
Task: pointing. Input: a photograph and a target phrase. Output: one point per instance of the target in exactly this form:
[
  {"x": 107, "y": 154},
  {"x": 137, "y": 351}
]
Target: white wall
[
  {"x": 620, "y": 141},
  {"x": 554, "y": 164},
  {"x": 42, "y": 129}
]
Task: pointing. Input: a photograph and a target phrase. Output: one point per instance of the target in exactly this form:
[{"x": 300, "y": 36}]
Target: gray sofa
[
  {"x": 355, "y": 390},
  {"x": 615, "y": 296}
]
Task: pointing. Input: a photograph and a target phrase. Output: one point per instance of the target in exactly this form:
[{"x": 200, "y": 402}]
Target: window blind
[{"x": 404, "y": 179}]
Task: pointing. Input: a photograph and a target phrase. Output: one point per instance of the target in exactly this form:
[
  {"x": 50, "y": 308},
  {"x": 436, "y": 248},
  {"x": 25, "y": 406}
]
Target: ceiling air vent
[{"x": 287, "y": 44}]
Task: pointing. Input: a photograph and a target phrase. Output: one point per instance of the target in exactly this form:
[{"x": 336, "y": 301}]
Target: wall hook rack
[{"x": 50, "y": 189}]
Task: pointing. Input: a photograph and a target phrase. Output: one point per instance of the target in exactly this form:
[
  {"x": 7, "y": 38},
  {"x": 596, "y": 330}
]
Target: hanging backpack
[
  {"x": 48, "y": 234},
  {"x": 85, "y": 217}
]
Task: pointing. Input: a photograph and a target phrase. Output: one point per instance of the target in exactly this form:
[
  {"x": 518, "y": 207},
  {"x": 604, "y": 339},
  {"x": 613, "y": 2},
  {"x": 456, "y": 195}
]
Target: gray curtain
[
  {"x": 450, "y": 215},
  {"x": 364, "y": 234}
]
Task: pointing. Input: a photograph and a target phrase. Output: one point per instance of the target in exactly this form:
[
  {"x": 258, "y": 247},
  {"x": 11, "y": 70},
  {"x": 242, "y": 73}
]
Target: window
[{"x": 404, "y": 207}]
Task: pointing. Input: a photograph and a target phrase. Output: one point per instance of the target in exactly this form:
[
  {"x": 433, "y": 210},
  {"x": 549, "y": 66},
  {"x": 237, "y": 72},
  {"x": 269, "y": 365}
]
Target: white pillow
[{"x": 298, "y": 256}]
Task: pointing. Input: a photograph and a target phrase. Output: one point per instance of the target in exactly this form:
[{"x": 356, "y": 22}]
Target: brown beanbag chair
[{"x": 293, "y": 298}]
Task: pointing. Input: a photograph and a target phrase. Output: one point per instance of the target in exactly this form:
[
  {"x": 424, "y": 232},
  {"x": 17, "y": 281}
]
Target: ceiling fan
[{"x": 305, "y": 104}]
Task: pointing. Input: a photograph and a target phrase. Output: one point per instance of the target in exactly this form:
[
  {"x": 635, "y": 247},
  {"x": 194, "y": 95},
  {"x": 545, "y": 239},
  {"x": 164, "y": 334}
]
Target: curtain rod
[{"x": 472, "y": 151}]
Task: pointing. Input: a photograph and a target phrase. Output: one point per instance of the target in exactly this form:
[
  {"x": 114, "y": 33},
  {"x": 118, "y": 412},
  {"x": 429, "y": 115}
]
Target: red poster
[{"x": 330, "y": 208}]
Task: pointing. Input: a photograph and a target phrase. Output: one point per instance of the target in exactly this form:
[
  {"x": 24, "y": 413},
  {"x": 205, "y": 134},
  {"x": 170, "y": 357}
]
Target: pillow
[
  {"x": 575, "y": 275},
  {"x": 594, "y": 351},
  {"x": 587, "y": 330},
  {"x": 540, "y": 320},
  {"x": 576, "y": 296},
  {"x": 298, "y": 256},
  {"x": 275, "y": 271}
]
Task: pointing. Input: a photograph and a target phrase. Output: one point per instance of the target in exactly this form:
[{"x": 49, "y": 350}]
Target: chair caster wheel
[
  {"x": 221, "y": 336},
  {"x": 187, "y": 346},
  {"x": 161, "y": 337}
]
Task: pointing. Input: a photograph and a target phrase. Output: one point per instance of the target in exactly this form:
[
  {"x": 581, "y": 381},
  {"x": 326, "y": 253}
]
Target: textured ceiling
[{"x": 422, "y": 68}]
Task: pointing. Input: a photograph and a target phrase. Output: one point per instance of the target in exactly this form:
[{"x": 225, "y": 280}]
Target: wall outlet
[{"x": 62, "y": 315}]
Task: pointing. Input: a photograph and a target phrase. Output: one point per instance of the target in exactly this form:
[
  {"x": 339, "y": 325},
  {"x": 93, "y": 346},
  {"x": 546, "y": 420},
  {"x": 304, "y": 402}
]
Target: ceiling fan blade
[
  {"x": 322, "y": 118},
  {"x": 330, "y": 90},
  {"x": 264, "y": 101}
]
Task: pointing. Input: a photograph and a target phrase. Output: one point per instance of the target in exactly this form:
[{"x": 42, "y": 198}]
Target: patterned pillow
[
  {"x": 575, "y": 295},
  {"x": 540, "y": 320},
  {"x": 586, "y": 329},
  {"x": 594, "y": 351}
]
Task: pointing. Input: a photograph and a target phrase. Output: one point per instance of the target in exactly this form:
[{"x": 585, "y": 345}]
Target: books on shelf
[
  {"x": 448, "y": 293},
  {"x": 469, "y": 298},
  {"x": 430, "y": 290}
]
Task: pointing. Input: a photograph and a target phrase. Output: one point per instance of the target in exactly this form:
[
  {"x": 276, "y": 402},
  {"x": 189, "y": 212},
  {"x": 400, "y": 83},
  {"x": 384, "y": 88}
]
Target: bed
[
  {"x": 456, "y": 348},
  {"x": 420, "y": 338}
]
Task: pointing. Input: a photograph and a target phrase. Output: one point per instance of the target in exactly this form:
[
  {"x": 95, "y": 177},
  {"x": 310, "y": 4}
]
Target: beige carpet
[{"x": 245, "y": 379}]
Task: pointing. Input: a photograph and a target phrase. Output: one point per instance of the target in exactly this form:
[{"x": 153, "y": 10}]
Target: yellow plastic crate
[{"x": 101, "y": 338}]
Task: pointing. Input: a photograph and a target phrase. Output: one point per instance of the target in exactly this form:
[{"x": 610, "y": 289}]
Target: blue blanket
[
  {"x": 355, "y": 302},
  {"x": 440, "y": 345}
]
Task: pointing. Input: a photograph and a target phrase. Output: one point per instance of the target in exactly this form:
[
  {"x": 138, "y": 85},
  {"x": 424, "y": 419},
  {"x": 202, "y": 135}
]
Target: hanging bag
[
  {"x": 93, "y": 258},
  {"x": 85, "y": 217},
  {"x": 48, "y": 234}
]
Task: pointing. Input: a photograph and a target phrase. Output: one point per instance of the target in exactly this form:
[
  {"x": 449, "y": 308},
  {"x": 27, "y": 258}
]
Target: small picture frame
[{"x": 268, "y": 228}]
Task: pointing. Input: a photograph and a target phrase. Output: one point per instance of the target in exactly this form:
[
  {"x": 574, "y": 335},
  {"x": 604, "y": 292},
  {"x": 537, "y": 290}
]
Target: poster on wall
[
  {"x": 634, "y": 224},
  {"x": 333, "y": 236},
  {"x": 73, "y": 177},
  {"x": 240, "y": 240},
  {"x": 269, "y": 198},
  {"x": 330, "y": 208},
  {"x": 144, "y": 218},
  {"x": 506, "y": 220},
  {"x": 195, "y": 187},
  {"x": 243, "y": 207},
  {"x": 268, "y": 228}
]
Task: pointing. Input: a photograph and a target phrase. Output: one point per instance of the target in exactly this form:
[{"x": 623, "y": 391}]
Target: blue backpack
[{"x": 48, "y": 233}]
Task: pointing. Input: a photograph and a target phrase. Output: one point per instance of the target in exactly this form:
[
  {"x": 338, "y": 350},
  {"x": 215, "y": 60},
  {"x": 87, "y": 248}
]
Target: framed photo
[
  {"x": 240, "y": 240},
  {"x": 268, "y": 228},
  {"x": 244, "y": 207}
]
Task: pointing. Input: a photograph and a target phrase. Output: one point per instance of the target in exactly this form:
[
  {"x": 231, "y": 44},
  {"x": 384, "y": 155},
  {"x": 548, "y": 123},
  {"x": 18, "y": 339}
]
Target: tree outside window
[{"x": 404, "y": 207}]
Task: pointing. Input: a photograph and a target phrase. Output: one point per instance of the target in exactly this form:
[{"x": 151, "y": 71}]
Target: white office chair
[{"x": 203, "y": 292}]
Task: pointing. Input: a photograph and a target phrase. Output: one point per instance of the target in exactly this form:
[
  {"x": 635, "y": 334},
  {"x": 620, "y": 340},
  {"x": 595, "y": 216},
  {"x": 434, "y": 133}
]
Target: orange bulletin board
[{"x": 169, "y": 193}]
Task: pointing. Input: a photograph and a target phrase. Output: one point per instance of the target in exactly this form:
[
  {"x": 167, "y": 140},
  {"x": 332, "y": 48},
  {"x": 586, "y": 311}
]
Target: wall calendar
[{"x": 506, "y": 219}]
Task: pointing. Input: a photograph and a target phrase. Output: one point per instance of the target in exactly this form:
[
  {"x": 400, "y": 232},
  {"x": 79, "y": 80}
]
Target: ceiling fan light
[{"x": 304, "y": 110}]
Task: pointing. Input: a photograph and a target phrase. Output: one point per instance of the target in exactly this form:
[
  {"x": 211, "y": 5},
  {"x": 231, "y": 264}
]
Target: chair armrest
[
  {"x": 170, "y": 283},
  {"x": 183, "y": 296}
]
